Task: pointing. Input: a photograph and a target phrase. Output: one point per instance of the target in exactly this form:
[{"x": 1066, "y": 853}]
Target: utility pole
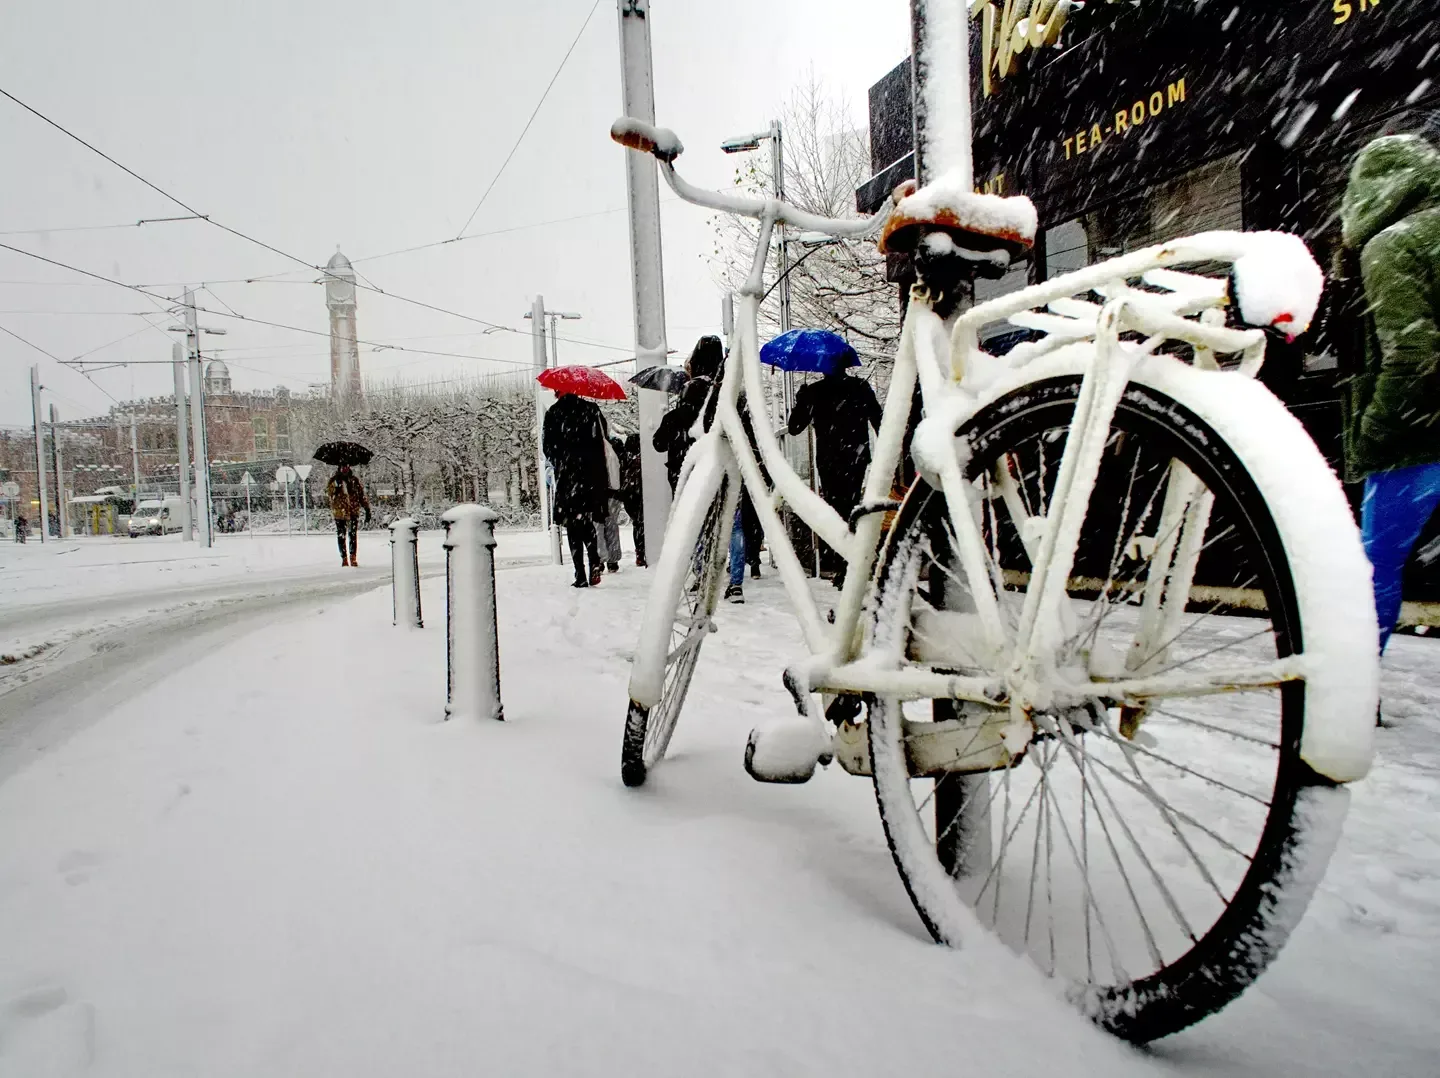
[
  {"x": 35, "y": 388},
  {"x": 135, "y": 458},
  {"x": 643, "y": 189},
  {"x": 537, "y": 340},
  {"x": 62, "y": 519},
  {"x": 182, "y": 443},
  {"x": 205, "y": 526}
]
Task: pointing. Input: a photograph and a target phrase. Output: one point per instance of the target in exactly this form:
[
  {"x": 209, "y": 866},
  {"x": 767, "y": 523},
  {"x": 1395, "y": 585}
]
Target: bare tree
[{"x": 842, "y": 286}]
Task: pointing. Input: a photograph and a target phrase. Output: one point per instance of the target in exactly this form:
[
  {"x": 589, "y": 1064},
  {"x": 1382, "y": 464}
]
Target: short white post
[
  {"x": 472, "y": 635},
  {"x": 405, "y": 573}
]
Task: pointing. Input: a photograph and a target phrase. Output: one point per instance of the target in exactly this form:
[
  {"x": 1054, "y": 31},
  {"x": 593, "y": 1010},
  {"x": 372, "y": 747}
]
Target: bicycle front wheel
[
  {"x": 1155, "y": 856},
  {"x": 648, "y": 729}
]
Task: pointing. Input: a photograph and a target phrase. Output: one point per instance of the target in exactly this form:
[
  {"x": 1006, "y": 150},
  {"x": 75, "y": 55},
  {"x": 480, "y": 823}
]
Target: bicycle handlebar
[{"x": 665, "y": 146}]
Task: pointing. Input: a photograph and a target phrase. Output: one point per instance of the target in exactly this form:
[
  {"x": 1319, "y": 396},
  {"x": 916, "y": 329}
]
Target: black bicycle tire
[
  {"x": 634, "y": 768},
  {"x": 1251, "y": 930}
]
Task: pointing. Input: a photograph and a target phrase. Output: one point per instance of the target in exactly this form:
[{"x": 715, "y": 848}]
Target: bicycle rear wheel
[
  {"x": 1155, "y": 857},
  {"x": 648, "y": 729}
]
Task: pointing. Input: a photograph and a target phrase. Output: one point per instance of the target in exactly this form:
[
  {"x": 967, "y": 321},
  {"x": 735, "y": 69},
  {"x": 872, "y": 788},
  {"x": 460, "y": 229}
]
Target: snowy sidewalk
[{"x": 312, "y": 875}]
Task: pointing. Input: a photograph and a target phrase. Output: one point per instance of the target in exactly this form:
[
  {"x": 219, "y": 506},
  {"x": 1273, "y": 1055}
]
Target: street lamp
[
  {"x": 555, "y": 317},
  {"x": 745, "y": 144}
]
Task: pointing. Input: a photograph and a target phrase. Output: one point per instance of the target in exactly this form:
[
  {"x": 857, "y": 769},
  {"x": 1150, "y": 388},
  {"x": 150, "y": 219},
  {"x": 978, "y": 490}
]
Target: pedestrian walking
[
  {"x": 1390, "y": 217},
  {"x": 574, "y": 444},
  {"x": 631, "y": 494},
  {"x": 347, "y": 501},
  {"x": 22, "y": 529},
  {"x": 607, "y": 530},
  {"x": 843, "y": 410},
  {"x": 674, "y": 434}
]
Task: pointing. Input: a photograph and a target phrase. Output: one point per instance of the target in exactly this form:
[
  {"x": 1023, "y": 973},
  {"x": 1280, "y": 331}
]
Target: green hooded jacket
[{"x": 1391, "y": 215}]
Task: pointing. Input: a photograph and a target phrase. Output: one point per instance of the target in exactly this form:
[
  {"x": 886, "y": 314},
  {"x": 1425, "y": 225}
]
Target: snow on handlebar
[
  {"x": 647, "y": 138},
  {"x": 666, "y": 146}
]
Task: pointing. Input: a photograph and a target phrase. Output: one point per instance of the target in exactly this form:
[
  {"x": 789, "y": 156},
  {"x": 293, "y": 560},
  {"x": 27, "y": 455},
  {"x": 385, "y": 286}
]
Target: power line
[
  {"x": 99, "y": 228},
  {"x": 548, "y": 86},
  {"x": 295, "y": 258},
  {"x": 251, "y": 318},
  {"x": 30, "y": 344}
]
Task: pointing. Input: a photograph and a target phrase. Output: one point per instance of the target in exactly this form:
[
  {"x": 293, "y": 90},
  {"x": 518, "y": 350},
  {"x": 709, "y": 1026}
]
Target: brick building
[{"x": 253, "y": 431}]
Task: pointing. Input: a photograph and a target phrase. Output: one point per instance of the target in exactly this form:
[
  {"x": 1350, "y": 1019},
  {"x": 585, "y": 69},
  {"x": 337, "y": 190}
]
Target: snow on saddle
[{"x": 974, "y": 221}]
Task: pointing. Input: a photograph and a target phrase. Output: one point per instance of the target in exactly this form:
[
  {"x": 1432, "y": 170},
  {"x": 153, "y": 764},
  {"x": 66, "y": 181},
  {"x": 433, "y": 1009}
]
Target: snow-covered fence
[
  {"x": 405, "y": 572},
  {"x": 472, "y": 638}
]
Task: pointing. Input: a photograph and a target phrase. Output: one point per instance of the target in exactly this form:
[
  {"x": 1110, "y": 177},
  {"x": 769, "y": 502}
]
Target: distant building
[
  {"x": 345, "y": 385},
  {"x": 217, "y": 378}
]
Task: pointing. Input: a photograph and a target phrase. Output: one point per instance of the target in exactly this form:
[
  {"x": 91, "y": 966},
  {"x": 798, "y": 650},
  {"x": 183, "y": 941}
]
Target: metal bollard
[
  {"x": 405, "y": 573},
  {"x": 472, "y": 636}
]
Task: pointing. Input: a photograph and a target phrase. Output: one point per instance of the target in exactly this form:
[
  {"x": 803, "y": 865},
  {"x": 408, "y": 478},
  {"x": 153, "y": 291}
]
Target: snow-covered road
[{"x": 275, "y": 859}]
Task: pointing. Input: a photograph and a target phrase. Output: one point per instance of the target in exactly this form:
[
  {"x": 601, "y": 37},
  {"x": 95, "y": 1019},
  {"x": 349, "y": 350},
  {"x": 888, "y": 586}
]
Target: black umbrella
[
  {"x": 665, "y": 379},
  {"x": 338, "y": 453}
]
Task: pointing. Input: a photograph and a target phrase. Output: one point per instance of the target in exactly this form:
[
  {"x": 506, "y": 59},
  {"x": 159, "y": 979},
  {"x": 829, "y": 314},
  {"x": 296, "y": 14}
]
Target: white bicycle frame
[{"x": 948, "y": 363}]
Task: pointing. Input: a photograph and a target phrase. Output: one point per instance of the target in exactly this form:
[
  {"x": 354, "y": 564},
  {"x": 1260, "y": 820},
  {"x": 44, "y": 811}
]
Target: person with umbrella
[
  {"x": 346, "y": 494},
  {"x": 842, "y": 410},
  {"x": 573, "y": 441},
  {"x": 347, "y": 500},
  {"x": 672, "y": 436}
]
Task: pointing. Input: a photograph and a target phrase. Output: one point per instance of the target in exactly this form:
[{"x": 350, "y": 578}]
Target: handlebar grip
[{"x": 638, "y": 135}]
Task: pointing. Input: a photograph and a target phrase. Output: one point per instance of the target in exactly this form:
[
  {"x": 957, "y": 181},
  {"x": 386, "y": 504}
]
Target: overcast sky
[{"x": 374, "y": 126}]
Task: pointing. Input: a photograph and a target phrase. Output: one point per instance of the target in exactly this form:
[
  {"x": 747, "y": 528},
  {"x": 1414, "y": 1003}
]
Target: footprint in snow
[
  {"x": 77, "y": 865},
  {"x": 44, "y": 1031}
]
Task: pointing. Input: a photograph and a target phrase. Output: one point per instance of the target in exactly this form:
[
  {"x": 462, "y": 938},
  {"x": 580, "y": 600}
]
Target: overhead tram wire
[
  {"x": 220, "y": 224},
  {"x": 251, "y": 318},
  {"x": 64, "y": 363},
  {"x": 100, "y": 228},
  {"x": 534, "y": 112},
  {"x": 270, "y": 247}
]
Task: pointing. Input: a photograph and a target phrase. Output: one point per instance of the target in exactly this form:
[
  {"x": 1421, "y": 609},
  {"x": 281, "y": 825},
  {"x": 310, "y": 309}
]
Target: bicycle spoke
[{"x": 1217, "y": 729}]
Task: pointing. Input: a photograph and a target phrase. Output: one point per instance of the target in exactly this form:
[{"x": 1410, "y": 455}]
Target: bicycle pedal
[{"x": 784, "y": 753}]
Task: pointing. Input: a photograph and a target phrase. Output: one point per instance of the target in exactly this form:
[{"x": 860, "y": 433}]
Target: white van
[{"x": 157, "y": 517}]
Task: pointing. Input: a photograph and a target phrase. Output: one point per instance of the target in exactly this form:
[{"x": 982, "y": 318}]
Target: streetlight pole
[
  {"x": 642, "y": 187},
  {"x": 182, "y": 443},
  {"x": 536, "y": 314},
  {"x": 135, "y": 459},
  {"x": 197, "y": 420},
  {"x": 35, "y": 388},
  {"x": 797, "y": 453},
  {"x": 62, "y": 521}
]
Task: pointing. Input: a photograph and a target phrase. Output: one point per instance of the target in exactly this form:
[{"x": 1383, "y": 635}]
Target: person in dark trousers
[
  {"x": 842, "y": 410},
  {"x": 573, "y": 441},
  {"x": 347, "y": 501},
  {"x": 631, "y": 497},
  {"x": 1390, "y": 216},
  {"x": 672, "y": 436},
  {"x": 22, "y": 529}
]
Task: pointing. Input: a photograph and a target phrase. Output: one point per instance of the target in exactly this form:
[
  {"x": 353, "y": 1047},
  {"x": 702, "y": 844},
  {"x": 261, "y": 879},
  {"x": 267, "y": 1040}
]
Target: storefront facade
[{"x": 1151, "y": 120}]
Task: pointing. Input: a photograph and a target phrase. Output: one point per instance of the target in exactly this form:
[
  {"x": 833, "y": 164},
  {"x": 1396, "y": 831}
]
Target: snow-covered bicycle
[{"x": 1115, "y": 652}]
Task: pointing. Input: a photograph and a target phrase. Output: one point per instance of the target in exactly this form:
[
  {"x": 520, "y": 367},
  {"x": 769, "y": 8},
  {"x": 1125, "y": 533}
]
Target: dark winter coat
[
  {"x": 628, "y": 450},
  {"x": 842, "y": 410},
  {"x": 347, "y": 496},
  {"x": 1391, "y": 215},
  {"x": 573, "y": 443},
  {"x": 672, "y": 436}
]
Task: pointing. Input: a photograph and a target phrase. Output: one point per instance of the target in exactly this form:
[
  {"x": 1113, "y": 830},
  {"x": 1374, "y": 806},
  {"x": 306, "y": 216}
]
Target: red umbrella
[{"x": 583, "y": 381}]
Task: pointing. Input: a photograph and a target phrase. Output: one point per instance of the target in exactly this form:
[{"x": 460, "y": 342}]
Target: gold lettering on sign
[
  {"x": 1344, "y": 9},
  {"x": 1009, "y": 27},
  {"x": 1127, "y": 118}
]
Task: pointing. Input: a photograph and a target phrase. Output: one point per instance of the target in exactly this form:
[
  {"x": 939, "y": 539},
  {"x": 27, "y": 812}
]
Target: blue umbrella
[{"x": 816, "y": 350}]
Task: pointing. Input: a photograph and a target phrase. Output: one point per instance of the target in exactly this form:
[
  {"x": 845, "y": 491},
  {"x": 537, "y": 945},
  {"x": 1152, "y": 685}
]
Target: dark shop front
[{"x": 1149, "y": 120}]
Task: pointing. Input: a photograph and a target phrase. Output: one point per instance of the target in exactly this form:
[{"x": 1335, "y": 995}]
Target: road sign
[
  {"x": 285, "y": 474},
  {"x": 303, "y": 471},
  {"x": 247, "y": 480},
  {"x": 11, "y": 489}
]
